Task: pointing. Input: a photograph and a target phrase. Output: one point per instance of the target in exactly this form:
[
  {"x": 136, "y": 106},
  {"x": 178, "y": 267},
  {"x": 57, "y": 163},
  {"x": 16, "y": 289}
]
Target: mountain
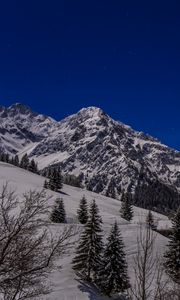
[
  {"x": 20, "y": 127},
  {"x": 110, "y": 157}
]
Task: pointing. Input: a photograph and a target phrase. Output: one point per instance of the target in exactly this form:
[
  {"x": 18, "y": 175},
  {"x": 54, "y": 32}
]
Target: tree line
[{"x": 24, "y": 162}]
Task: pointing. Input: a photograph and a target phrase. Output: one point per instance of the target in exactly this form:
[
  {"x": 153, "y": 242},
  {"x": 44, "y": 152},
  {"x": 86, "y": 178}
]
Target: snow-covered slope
[
  {"x": 89, "y": 143},
  {"x": 66, "y": 284}
]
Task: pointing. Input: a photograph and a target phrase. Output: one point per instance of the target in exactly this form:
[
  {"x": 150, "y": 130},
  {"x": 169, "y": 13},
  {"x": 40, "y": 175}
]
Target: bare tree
[
  {"x": 28, "y": 247},
  {"x": 144, "y": 263},
  {"x": 151, "y": 280},
  {"x": 165, "y": 289}
]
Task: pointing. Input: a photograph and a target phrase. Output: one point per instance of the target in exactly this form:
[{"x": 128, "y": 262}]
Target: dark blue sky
[{"x": 123, "y": 56}]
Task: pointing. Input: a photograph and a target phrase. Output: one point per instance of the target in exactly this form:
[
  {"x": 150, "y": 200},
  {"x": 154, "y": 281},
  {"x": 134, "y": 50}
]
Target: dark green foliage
[
  {"x": 24, "y": 162},
  {"x": 12, "y": 160},
  {"x": 113, "y": 277},
  {"x": 150, "y": 220},
  {"x": 16, "y": 160},
  {"x": 72, "y": 180},
  {"x": 2, "y": 156},
  {"x": 172, "y": 255},
  {"x": 58, "y": 214},
  {"x": 156, "y": 196},
  {"x": 165, "y": 232},
  {"x": 82, "y": 212},
  {"x": 55, "y": 180},
  {"x": 5, "y": 157},
  {"x": 33, "y": 167},
  {"x": 45, "y": 184},
  {"x": 88, "y": 253},
  {"x": 126, "y": 210}
]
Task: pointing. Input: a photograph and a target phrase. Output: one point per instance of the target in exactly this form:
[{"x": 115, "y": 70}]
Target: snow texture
[{"x": 66, "y": 286}]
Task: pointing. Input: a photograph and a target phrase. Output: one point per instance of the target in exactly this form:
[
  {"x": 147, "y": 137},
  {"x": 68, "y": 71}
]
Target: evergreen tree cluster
[
  {"x": 24, "y": 163},
  {"x": 172, "y": 255},
  {"x": 126, "y": 211},
  {"x": 72, "y": 180},
  {"x": 68, "y": 179},
  {"x": 155, "y": 195},
  {"x": 103, "y": 265},
  {"x": 58, "y": 214},
  {"x": 54, "y": 181}
]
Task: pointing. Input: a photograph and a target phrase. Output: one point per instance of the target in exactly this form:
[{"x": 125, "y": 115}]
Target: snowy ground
[{"x": 66, "y": 284}]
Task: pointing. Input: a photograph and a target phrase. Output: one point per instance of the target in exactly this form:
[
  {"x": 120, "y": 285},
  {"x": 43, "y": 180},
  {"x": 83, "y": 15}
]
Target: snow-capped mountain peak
[
  {"x": 89, "y": 143},
  {"x": 20, "y": 126}
]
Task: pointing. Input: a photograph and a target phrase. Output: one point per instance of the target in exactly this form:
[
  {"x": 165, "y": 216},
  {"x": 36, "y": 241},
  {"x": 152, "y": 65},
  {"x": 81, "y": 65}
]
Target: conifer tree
[
  {"x": 55, "y": 180},
  {"x": 33, "y": 166},
  {"x": 59, "y": 180},
  {"x": 58, "y": 214},
  {"x": 89, "y": 251},
  {"x": 51, "y": 183},
  {"x": 45, "y": 184},
  {"x": 113, "y": 277},
  {"x": 7, "y": 158},
  {"x": 82, "y": 212},
  {"x": 24, "y": 162},
  {"x": 12, "y": 160},
  {"x": 126, "y": 210},
  {"x": 172, "y": 255},
  {"x": 150, "y": 220},
  {"x": 3, "y": 157},
  {"x": 16, "y": 160}
]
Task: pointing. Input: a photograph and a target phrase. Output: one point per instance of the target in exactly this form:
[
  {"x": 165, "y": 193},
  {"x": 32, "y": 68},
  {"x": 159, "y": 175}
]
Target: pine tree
[
  {"x": 172, "y": 255},
  {"x": 45, "y": 184},
  {"x": 16, "y": 160},
  {"x": 12, "y": 160},
  {"x": 33, "y": 166},
  {"x": 2, "y": 156},
  {"x": 55, "y": 180},
  {"x": 24, "y": 162},
  {"x": 7, "y": 158},
  {"x": 150, "y": 220},
  {"x": 113, "y": 277},
  {"x": 126, "y": 210},
  {"x": 89, "y": 251},
  {"x": 58, "y": 214},
  {"x": 82, "y": 212},
  {"x": 59, "y": 180}
]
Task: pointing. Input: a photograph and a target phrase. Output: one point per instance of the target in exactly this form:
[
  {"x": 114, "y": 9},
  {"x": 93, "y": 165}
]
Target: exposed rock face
[
  {"x": 92, "y": 143},
  {"x": 20, "y": 127}
]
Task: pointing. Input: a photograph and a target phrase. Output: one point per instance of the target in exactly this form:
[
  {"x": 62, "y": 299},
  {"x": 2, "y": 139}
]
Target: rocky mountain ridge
[{"x": 105, "y": 152}]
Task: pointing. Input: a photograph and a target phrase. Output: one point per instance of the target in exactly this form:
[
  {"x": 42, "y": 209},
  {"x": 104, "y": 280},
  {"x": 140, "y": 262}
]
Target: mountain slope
[
  {"x": 19, "y": 127},
  {"x": 65, "y": 284},
  {"x": 110, "y": 156}
]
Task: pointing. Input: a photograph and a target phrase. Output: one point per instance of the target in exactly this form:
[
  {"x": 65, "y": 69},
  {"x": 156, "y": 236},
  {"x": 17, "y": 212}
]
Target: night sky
[{"x": 123, "y": 56}]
